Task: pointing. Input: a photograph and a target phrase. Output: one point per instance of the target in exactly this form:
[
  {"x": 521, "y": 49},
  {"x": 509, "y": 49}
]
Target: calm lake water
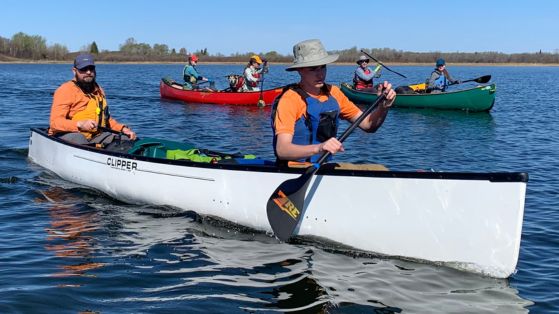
[{"x": 68, "y": 249}]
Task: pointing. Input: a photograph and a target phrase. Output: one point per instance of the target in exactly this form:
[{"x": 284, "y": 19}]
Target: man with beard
[{"x": 79, "y": 111}]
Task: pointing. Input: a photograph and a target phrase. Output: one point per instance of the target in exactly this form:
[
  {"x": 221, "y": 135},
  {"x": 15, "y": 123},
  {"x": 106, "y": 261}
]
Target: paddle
[
  {"x": 261, "y": 102},
  {"x": 384, "y": 66},
  {"x": 285, "y": 205},
  {"x": 482, "y": 80}
]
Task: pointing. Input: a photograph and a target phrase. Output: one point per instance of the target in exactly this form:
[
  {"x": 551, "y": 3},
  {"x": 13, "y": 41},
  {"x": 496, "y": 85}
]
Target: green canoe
[{"x": 480, "y": 98}]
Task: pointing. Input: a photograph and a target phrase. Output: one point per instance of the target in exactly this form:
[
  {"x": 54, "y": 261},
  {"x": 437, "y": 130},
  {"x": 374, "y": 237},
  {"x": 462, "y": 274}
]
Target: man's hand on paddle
[{"x": 332, "y": 145}]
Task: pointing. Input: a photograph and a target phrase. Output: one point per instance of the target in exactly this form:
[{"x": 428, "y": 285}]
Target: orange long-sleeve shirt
[
  {"x": 291, "y": 107},
  {"x": 67, "y": 101}
]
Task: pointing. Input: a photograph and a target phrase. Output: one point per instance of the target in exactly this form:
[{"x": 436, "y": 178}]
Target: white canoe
[{"x": 469, "y": 221}]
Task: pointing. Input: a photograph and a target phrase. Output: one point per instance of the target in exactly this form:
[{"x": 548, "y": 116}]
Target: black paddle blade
[
  {"x": 285, "y": 206},
  {"x": 483, "y": 79}
]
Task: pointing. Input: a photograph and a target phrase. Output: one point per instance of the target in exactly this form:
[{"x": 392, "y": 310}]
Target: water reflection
[
  {"x": 304, "y": 293},
  {"x": 70, "y": 233},
  {"x": 211, "y": 260},
  {"x": 341, "y": 284}
]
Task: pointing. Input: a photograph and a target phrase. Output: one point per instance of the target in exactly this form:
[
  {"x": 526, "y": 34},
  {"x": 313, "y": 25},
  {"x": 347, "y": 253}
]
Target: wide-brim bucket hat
[
  {"x": 310, "y": 53},
  {"x": 361, "y": 59}
]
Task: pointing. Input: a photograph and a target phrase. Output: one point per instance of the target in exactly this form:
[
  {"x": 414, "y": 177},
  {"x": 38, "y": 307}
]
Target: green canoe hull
[{"x": 479, "y": 98}]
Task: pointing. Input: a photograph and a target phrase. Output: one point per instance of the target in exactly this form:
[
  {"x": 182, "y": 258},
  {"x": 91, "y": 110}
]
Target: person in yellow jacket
[
  {"x": 79, "y": 111},
  {"x": 254, "y": 73}
]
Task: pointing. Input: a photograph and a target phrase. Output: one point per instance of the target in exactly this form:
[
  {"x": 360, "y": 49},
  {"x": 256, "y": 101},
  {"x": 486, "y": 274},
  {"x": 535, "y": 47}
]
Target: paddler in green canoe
[
  {"x": 440, "y": 78},
  {"x": 363, "y": 76}
]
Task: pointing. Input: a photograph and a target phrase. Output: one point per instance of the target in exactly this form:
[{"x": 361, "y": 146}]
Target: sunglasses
[{"x": 90, "y": 68}]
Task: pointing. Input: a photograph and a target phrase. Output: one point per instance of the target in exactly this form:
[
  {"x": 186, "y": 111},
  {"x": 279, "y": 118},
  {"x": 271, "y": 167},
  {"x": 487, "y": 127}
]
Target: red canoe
[{"x": 173, "y": 90}]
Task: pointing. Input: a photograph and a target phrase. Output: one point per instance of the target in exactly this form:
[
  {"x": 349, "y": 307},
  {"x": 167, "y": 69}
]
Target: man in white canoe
[
  {"x": 305, "y": 117},
  {"x": 79, "y": 111}
]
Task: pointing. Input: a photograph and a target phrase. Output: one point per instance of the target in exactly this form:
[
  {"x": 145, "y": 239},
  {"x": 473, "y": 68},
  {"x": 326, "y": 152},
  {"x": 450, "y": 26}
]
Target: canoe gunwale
[
  {"x": 249, "y": 98},
  {"x": 488, "y": 176},
  {"x": 348, "y": 86},
  {"x": 218, "y": 91},
  {"x": 438, "y": 101}
]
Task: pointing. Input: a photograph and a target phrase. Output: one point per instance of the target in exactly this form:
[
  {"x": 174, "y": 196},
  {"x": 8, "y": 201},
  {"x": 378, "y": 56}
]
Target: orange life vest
[{"x": 97, "y": 110}]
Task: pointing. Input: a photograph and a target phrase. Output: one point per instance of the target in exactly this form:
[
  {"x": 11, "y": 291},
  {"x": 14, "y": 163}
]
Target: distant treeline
[
  {"x": 30, "y": 47},
  {"x": 23, "y": 47}
]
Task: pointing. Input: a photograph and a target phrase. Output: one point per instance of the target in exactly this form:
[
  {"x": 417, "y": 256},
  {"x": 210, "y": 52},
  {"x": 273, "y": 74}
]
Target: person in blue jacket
[
  {"x": 440, "y": 78},
  {"x": 191, "y": 76}
]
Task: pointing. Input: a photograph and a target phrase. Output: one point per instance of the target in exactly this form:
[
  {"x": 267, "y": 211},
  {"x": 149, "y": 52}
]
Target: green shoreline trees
[
  {"x": 31, "y": 47},
  {"x": 23, "y": 47}
]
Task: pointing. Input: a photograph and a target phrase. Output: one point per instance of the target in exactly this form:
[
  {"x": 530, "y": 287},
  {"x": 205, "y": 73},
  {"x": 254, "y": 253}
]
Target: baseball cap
[{"x": 83, "y": 60}]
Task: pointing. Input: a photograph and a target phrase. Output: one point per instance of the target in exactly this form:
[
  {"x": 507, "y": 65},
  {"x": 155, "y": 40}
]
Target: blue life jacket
[
  {"x": 318, "y": 124},
  {"x": 441, "y": 82}
]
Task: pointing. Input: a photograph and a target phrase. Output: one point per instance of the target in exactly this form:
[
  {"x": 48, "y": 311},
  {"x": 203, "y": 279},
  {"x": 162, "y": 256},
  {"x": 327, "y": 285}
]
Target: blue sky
[{"x": 261, "y": 26}]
